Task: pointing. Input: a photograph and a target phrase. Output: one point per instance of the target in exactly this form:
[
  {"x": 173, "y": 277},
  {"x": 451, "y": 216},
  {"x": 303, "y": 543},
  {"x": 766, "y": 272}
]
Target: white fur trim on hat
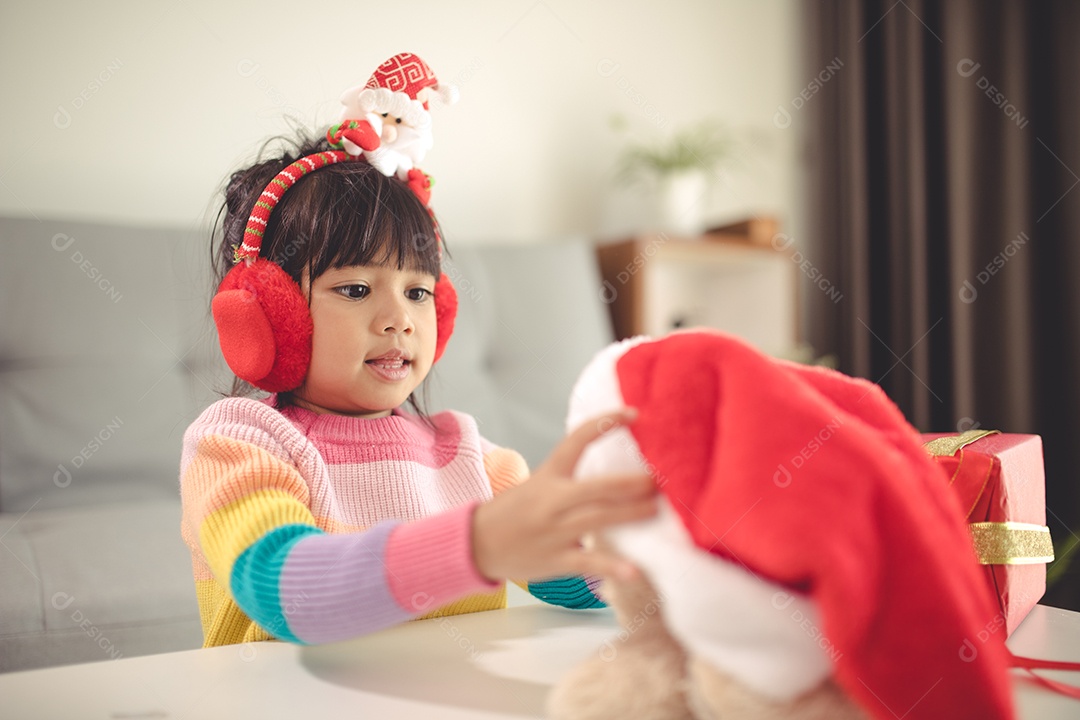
[
  {"x": 757, "y": 632},
  {"x": 446, "y": 93}
]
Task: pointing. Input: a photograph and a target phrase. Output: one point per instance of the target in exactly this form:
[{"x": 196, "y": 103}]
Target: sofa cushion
[
  {"x": 95, "y": 583},
  {"x": 104, "y": 360},
  {"x": 530, "y": 317}
]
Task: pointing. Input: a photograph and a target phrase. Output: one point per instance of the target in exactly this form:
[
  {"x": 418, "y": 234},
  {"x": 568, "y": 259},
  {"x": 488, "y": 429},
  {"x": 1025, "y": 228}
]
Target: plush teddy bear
[{"x": 808, "y": 559}]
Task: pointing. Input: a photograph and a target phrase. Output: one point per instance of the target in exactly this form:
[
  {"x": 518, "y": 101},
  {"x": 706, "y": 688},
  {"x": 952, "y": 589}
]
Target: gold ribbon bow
[{"x": 951, "y": 444}]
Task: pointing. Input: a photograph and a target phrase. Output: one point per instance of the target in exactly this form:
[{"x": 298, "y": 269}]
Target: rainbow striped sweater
[{"x": 314, "y": 528}]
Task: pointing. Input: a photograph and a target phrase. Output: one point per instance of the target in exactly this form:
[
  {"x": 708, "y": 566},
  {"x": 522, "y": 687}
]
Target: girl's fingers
[
  {"x": 613, "y": 488},
  {"x": 603, "y": 564},
  {"x": 582, "y": 507},
  {"x": 565, "y": 455},
  {"x": 585, "y": 520}
]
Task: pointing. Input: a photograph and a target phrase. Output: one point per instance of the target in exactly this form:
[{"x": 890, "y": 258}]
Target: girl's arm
[
  {"x": 247, "y": 508},
  {"x": 505, "y": 469}
]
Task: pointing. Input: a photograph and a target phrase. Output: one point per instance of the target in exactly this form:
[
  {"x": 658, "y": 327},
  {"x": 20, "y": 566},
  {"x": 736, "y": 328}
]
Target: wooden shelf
[{"x": 656, "y": 283}]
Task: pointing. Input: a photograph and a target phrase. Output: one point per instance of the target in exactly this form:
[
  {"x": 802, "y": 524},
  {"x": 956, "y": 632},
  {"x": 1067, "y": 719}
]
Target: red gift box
[{"x": 1002, "y": 487}]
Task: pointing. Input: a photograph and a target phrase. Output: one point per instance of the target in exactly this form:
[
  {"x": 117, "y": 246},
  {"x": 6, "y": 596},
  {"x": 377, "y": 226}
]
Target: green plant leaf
[
  {"x": 1063, "y": 551},
  {"x": 704, "y": 146}
]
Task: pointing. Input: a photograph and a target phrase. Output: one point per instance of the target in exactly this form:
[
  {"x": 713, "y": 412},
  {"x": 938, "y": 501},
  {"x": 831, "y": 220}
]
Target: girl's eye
[
  {"x": 385, "y": 114},
  {"x": 398, "y": 121},
  {"x": 418, "y": 294},
  {"x": 354, "y": 292}
]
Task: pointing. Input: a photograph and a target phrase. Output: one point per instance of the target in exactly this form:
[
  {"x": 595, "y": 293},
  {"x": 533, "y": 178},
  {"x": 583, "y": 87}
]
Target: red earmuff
[
  {"x": 263, "y": 323},
  {"x": 264, "y": 326},
  {"x": 446, "y": 305}
]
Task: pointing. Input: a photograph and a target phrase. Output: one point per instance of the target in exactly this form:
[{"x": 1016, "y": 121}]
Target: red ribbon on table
[{"x": 1031, "y": 665}]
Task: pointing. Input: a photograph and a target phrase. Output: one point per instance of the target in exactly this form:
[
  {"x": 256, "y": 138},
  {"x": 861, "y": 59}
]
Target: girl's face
[{"x": 373, "y": 341}]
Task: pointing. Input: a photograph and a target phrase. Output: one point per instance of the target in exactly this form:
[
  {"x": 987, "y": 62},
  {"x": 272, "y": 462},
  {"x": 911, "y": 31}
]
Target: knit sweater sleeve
[
  {"x": 506, "y": 468},
  {"x": 246, "y": 506}
]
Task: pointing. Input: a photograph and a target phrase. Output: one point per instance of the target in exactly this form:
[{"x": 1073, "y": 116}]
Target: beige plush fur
[{"x": 643, "y": 673}]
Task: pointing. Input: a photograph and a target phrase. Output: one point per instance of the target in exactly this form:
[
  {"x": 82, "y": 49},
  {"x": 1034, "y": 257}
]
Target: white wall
[{"x": 135, "y": 112}]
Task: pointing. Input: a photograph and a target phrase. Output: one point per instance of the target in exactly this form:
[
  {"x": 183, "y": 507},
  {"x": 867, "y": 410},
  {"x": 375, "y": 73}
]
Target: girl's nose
[{"x": 394, "y": 317}]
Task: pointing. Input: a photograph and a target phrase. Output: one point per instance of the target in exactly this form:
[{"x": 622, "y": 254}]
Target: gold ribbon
[
  {"x": 1011, "y": 543},
  {"x": 950, "y": 444}
]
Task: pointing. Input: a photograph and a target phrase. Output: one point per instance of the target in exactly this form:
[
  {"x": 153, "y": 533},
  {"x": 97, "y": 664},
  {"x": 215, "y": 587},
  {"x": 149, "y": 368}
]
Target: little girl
[{"x": 325, "y": 511}]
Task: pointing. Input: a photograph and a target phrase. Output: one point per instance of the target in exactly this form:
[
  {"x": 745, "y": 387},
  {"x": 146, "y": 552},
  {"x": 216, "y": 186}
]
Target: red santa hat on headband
[
  {"x": 403, "y": 86},
  {"x": 407, "y": 74},
  {"x": 804, "y": 532}
]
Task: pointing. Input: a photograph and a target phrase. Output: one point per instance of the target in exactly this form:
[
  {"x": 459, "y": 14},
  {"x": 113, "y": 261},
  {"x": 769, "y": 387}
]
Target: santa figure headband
[{"x": 400, "y": 88}]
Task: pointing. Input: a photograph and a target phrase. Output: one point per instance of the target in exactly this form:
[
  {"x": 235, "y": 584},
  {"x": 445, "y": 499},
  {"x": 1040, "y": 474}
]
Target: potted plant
[{"x": 681, "y": 167}]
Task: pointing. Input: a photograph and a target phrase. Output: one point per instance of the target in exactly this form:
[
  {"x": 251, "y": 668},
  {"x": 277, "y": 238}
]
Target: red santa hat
[
  {"x": 402, "y": 86},
  {"x": 407, "y": 74},
  {"x": 814, "y": 482}
]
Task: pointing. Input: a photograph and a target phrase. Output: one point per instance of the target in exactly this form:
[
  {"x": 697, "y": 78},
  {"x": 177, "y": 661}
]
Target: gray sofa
[{"x": 107, "y": 353}]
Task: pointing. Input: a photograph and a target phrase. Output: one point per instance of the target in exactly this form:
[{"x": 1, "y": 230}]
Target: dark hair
[{"x": 343, "y": 214}]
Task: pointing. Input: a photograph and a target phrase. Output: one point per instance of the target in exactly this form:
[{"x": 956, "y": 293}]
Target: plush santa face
[
  {"x": 403, "y": 146},
  {"x": 403, "y": 126}
]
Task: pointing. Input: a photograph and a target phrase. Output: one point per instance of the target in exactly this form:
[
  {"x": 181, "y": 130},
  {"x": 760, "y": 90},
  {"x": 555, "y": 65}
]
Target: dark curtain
[{"x": 944, "y": 140}]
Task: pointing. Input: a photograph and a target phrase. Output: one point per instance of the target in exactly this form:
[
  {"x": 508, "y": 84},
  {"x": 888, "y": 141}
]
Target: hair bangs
[{"x": 351, "y": 214}]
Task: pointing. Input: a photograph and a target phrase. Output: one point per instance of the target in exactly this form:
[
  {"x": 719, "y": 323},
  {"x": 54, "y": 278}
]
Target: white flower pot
[{"x": 681, "y": 199}]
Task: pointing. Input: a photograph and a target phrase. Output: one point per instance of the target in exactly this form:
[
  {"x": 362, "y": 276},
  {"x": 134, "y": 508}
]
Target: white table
[{"x": 498, "y": 664}]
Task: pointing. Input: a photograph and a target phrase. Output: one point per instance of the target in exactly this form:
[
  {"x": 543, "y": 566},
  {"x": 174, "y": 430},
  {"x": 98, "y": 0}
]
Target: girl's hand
[{"x": 534, "y": 530}]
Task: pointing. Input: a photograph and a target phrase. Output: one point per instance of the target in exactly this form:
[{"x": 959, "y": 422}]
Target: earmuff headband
[{"x": 251, "y": 245}]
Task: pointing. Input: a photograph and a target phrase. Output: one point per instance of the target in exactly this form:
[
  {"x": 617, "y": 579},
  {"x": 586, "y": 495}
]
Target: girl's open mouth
[{"x": 391, "y": 366}]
